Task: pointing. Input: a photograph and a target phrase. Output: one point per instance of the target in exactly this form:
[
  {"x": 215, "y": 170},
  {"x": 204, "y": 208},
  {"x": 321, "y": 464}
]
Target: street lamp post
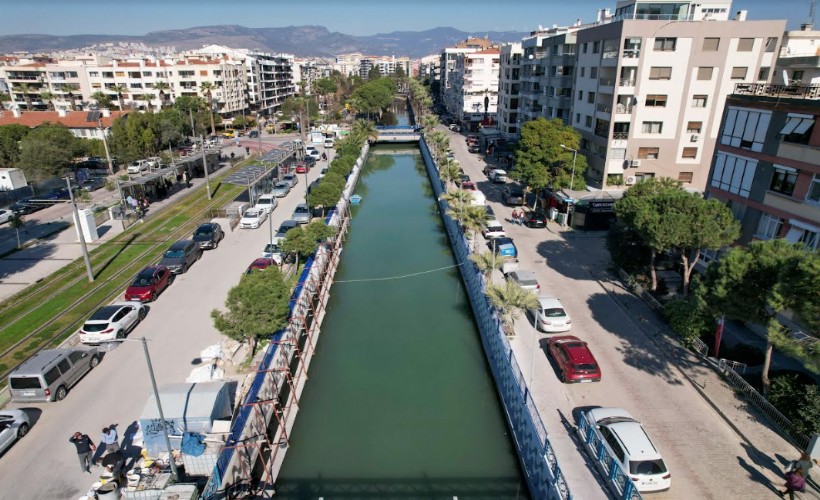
[
  {"x": 205, "y": 166},
  {"x": 105, "y": 144},
  {"x": 84, "y": 248},
  {"x": 574, "y": 156}
]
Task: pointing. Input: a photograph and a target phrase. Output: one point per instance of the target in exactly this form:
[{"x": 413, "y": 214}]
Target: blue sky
[{"x": 353, "y": 17}]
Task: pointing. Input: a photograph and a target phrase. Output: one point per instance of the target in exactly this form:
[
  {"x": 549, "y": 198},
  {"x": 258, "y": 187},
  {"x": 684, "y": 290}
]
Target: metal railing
[
  {"x": 606, "y": 82},
  {"x": 772, "y": 90},
  {"x": 603, "y": 108},
  {"x": 608, "y": 464},
  {"x": 620, "y": 135},
  {"x": 626, "y": 82}
]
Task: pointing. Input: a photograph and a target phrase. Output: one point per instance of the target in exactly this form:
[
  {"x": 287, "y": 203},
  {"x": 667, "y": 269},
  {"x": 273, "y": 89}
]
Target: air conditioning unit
[
  {"x": 695, "y": 138},
  {"x": 630, "y": 180},
  {"x": 635, "y": 163}
]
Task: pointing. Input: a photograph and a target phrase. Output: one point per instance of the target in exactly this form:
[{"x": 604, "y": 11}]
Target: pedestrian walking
[
  {"x": 805, "y": 462},
  {"x": 186, "y": 178},
  {"x": 247, "y": 151},
  {"x": 795, "y": 481},
  {"x": 515, "y": 217},
  {"x": 85, "y": 450},
  {"x": 110, "y": 440}
]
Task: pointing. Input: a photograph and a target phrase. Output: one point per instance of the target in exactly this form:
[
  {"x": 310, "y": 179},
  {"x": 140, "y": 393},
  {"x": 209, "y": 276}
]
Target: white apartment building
[
  {"x": 427, "y": 67},
  {"x": 451, "y": 69},
  {"x": 509, "y": 91},
  {"x": 348, "y": 64},
  {"x": 473, "y": 97},
  {"x": 387, "y": 65},
  {"x": 650, "y": 86},
  {"x": 799, "y": 61}
]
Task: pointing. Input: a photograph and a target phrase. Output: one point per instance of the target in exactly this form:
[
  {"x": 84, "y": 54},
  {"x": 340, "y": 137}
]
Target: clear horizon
[{"x": 356, "y": 17}]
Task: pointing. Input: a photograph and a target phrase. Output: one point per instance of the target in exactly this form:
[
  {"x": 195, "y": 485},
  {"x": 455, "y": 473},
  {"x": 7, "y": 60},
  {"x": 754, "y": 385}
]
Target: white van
[{"x": 328, "y": 142}]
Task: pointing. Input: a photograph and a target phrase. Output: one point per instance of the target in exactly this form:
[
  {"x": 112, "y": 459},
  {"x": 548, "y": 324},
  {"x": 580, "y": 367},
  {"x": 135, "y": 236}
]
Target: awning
[{"x": 797, "y": 124}]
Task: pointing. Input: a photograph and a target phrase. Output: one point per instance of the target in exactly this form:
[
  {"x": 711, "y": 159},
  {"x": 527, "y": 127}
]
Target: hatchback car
[
  {"x": 512, "y": 195},
  {"x": 469, "y": 186},
  {"x": 534, "y": 220},
  {"x": 181, "y": 256},
  {"x": 112, "y": 322},
  {"x": 574, "y": 359},
  {"x": 490, "y": 213},
  {"x": 253, "y": 218},
  {"x": 14, "y": 424},
  {"x": 208, "y": 235},
  {"x": 284, "y": 228},
  {"x": 301, "y": 168},
  {"x": 149, "y": 283},
  {"x": 493, "y": 229},
  {"x": 504, "y": 247},
  {"x": 474, "y": 148},
  {"x": 498, "y": 176},
  {"x": 280, "y": 189},
  {"x": 260, "y": 264},
  {"x": 525, "y": 279},
  {"x": 50, "y": 373},
  {"x": 551, "y": 317},
  {"x": 301, "y": 214},
  {"x": 625, "y": 439},
  {"x": 291, "y": 179}
]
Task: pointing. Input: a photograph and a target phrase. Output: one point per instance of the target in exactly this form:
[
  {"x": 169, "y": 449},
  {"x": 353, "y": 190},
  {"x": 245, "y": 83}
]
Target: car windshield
[
  {"x": 301, "y": 210},
  {"x": 263, "y": 201},
  {"x": 273, "y": 248},
  {"x": 554, "y": 312},
  {"x": 584, "y": 367},
  {"x": 527, "y": 282},
  {"x": 174, "y": 254},
  {"x": 646, "y": 467},
  {"x": 281, "y": 185},
  {"x": 95, "y": 327},
  {"x": 251, "y": 214},
  {"x": 203, "y": 231},
  {"x": 143, "y": 280}
]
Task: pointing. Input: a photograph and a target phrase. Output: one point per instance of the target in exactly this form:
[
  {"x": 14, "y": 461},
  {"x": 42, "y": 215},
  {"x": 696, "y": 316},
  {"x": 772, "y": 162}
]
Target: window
[
  {"x": 783, "y": 180},
  {"x": 591, "y": 97},
  {"x": 745, "y": 44},
  {"x": 699, "y": 101},
  {"x": 705, "y": 72},
  {"x": 52, "y": 375},
  {"x": 577, "y": 117},
  {"x": 665, "y": 44},
  {"x": 798, "y": 128},
  {"x": 745, "y": 128},
  {"x": 64, "y": 366},
  {"x": 797, "y": 77},
  {"x": 802, "y": 233},
  {"x": 771, "y": 44},
  {"x": 694, "y": 127},
  {"x": 617, "y": 154},
  {"x": 593, "y": 72},
  {"x": 814, "y": 190},
  {"x": 685, "y": 176},
  {"x": 739, "y": 72},
  {"x": 711, "y": 44},
  {"x": 120, "y": 74},
  {"x": 763, "y": 74},
  {"x": 768, "y": 227},
  {"x": 583, "y": 71},
  {"x": 660, "y": 73},
  {"x": 94, "y": 74},
  {"x": 690, "y": 153},
  {"x": 656, "y": 101},
  {"x": 584, "y": 48},
  {"x": 613, "y": 443},
  {"x": 580, "y": 95},
  {"x": 733, "y": 174},
  {"x": 652, "y": 127},
  {"x": 648, "y": 153},
  {"x": 588, "y": 121},
  {"x": 596, "y": 47}
]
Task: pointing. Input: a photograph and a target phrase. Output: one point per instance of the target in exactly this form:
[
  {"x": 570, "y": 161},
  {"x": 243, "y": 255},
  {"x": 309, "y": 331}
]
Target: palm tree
[
  {"x": 510, "y": 299},
  {"x": 48, "y": 97},
  {"x": 24, "y": 89},
  {"x": 364, "y": 130},
  {"x": 103, "y": 99},
  {"x": 449, "y": 171},
  {"x": 474, "y": 219},
  {"x": 487, "y": 262},
  {"x": 161, "y": 87},
  {"x": 458, "y": 199},
  {"x": 69, "y": 92},
  {"x": 147, "y": 98},
  {"x": 428, "y": 122},
  {"x": 208, "y": 88},
  {"x": 433, "y": 140},
  {"x": 17, "y": 222},
  {"x": 120, "y": 89},
  {"x": 442, "y": 143}
]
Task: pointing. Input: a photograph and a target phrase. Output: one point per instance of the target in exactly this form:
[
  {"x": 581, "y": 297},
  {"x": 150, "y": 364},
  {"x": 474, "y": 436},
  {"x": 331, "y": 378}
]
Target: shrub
[
  {"x": 798, "y": 401},
  {"x": 687, "y": 318},
  {"x": 627, "y": 250}
]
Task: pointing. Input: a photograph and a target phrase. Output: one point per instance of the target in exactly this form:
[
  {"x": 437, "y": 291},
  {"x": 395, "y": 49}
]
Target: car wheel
[
  {"x": 185, "y": 269},
  {"x": 141, "y": 314},
  {"x": 216, "y": 243},
  {"x": 153, "y": 296},
  {"x": 94, "y": 362},
  {"x": 22, "y": 431},
  {"x": 61, "y": 393}
]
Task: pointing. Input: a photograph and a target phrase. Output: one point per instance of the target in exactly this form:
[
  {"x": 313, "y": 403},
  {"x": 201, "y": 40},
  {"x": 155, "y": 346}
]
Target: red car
[
  {"x": 260, "y": 264},
  {"x": 574, "y": 359},
  {"x": 149, "y": 283},
  {"x": 468, "y": 186},
  {"x": 301, "y": 168}
]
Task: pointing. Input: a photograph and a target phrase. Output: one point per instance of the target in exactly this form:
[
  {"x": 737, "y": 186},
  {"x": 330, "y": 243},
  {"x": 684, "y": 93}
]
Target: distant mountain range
[{"x": 303, "y": 41}]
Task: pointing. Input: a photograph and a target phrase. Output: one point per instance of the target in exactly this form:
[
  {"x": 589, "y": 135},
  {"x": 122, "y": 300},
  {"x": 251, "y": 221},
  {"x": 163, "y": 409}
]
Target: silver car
[
  {"x": 281, "y": 189},
  {"x": 14, "y": 424},
  {"x": 302, "y": 214},
  {"x": 525, "y": 279},
  {"x": 291, "y": 179}
]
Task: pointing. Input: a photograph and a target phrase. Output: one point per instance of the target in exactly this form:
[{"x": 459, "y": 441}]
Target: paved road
[
  {"x": 178, "y": 327},
  {"x": 706, "y": 457}
]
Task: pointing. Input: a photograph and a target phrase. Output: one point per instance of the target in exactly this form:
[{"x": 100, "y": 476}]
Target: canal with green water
[{"x": 400, "y": 401}]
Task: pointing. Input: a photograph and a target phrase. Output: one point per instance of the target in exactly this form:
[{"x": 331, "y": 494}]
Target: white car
[
  {"x": 5, "y": 215},
  {"x": 138, "y": 167},
  {"x": 14, "y": 424},
  {"x": 273, "y": 250},
  {"x": 253, "y": 218},
  {"x": 498, "y": 176},
  {"x": 112, "y": 322},
  {"x": 625, "y": 439},
  {"x": 551, "y": 317},
  {"x": 266, "y": 202},
  {"x": 493, "y": 229}
]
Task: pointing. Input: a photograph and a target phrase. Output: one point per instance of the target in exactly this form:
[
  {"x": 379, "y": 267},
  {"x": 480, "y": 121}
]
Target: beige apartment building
[{"x": 650, "y": 86}]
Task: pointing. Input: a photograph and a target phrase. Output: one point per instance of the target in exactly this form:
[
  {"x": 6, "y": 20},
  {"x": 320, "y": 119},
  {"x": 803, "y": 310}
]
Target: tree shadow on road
[{"x": 25, "y": 259}]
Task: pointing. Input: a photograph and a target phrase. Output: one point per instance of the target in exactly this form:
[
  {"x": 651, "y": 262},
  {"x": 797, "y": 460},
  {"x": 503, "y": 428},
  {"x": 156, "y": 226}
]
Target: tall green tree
[
  {"x": 303, "y": 241},
  {"x": 255, "y": 308},
  {"x": 10, "y": 137},
  {"x": 102, "y": 99},
  {"x": 47, "y": 150},
  {"x": 208, "y": 88},
  {"x": 161, "y": 87},
  {"x": 374, "y": 73},
  {"x": 757, "y": 282},
  {"x": 510, "y": 300}
]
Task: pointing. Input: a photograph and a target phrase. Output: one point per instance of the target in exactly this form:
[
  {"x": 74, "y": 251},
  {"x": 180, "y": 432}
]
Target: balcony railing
[
  {"x": 771, "y": 90},
  {"x": 603, "y": 108},
  {"x": 602, "y": 132},
  {"x": 632, "y": 53},
  {"x": 620, "y": 135},
  {"x": 654, "y": 17},
  {"x": 606, "y": 82},
  {"x": 626, "y": 82},
  {"x": 622, "y": 109}
]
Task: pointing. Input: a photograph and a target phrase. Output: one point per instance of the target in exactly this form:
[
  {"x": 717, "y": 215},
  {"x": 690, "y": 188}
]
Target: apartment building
[
  {"x": 451, "y": 67},
  {"x": 799, "y": 61},
  {"x": 387, "y": 65},
  {"x": 473, "y": 96},
  {"x": 348, "y": 64},
  {"x": 766, "y": 165},
  {"x": 509, "y": 91},
  {"x": 650, "y": 86}
]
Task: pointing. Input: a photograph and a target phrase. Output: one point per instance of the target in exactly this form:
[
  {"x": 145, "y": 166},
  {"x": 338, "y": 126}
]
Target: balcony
[
  {"x": 779, "y": 91},
  {"x": 620, "y": 136},
  {"x": 606, "y": 82},
  {"x": 603, "y": 108},
  {"x": 602, "y": 132},
  {"x": 626, "y": 82},
  {"x": 631, "y": 53},
  {"x": 622, "y": 109}
]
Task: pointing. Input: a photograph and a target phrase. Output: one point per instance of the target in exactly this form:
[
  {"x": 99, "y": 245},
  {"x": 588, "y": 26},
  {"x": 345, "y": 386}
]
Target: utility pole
[
  {"x": 105, "y": 144},
  {"x": 80, "y": 231},
  {"x": 171, "y": 460},
  {"x": 574, "y": 156},
  {"x": 205, "y": 166}
]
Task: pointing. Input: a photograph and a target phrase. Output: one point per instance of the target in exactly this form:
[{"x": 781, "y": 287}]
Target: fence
[
  {"x": 541, "y": 468},
  {"x": 608, "y": 464}
]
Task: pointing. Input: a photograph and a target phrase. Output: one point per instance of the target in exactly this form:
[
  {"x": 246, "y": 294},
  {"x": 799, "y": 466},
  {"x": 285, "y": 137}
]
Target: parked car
[
  {"x": 112, "y": 322},
  {"x": 301, "y": 168},
  {"x": 260, "y": 264},
  {"x": 314, "y": 153},
  {"x": 323, "y": 172},
  {"x": 93, "y": 184},
  {"x": 455, "y": 127},
  {"x": 493, "y": 229},
  {"x": 490, "y": 213},
  {"x": 253, "y": 218},
  {"x": 469, "y": 186},
  {"x": 26, "y": 206},
  {"x": 525, "y": 279},
  {"x": 474, "y": 148},
  {"x": 137, "y": 167},
  {"x": 291, "y": 179},
  {"x": 6, "y": 214},
  {"x": 285, "y": 227},
  {"x": 14, "y": 425},
  {"x": 498, "y": 175},
  {"x": 625, "y": 439},
  {"x": 513, "y": 195},
  {"x": 551, "y": 317},
  {"x": 280, "y": 189},
  {"x": 266, "y": 202},
  {"x": 208, "y": 235},
  {"x": 49, "y": 374},
  {"x": 273, "y": 250},
  {"x": 328, "y": 143},
  {"x": 149, "y": 283},
  {"x": 461, "y": 179},
  {"x": 310, "y": 161},
  {"x": 181, "y": 256},
  {"x": 504, "y": 247},
  {"x": 301, "y": 214},
  {"x": 535, "y": 219},
  {"x": 472, "y": 139},
  {"x": 574, "y": 359}
]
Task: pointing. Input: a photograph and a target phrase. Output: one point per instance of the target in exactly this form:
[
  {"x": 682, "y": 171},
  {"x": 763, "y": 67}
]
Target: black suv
[
  {"x": 181, "y": 256},
  {"x": 208, "y": 235},
  {"x": 513, "y": 195}
]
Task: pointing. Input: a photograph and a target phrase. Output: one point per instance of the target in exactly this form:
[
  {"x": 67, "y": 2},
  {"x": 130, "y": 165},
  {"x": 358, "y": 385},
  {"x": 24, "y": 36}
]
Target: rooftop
[{"x": 779, "y": 91}]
